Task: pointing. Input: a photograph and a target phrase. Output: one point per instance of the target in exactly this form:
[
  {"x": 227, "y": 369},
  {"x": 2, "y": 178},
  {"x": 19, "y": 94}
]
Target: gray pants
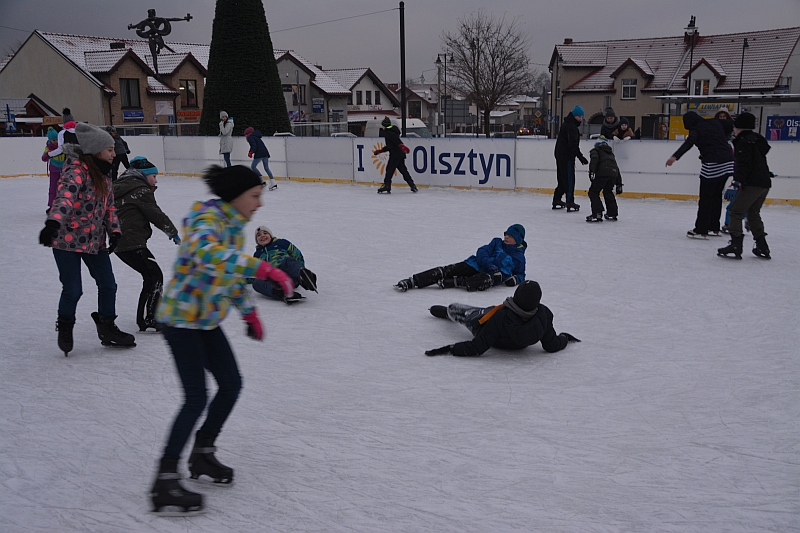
[
  {"x": 748, "y": 201},
  {"x": 467, "y": 315}
]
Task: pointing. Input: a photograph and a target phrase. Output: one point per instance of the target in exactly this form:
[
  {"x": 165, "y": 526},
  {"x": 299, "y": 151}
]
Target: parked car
[
  {"x": 344, "y": 134},
  {"x": 414, "y": 127}
]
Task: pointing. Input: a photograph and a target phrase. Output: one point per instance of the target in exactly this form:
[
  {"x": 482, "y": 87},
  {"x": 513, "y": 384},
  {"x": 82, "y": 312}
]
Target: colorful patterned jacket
[
  {"x": 210, "y": 271},
  {"x": 84, "y": 216},
  {"x": 277, "y": 250},
  {"x": 55, "y": 161}
]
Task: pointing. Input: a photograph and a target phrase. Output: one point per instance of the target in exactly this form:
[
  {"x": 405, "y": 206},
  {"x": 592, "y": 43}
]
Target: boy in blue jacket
[
  {"x": 282, "y": 254},
  {"x": 500, "y": 261}
]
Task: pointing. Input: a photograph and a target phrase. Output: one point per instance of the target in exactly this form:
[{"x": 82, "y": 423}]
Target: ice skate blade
[
  {"x": 698, "y": 236},
  {"x": 169, "y": 511},
  {"x": 208, "y": 481},
  {"x": 726, "y": 256},
  {"x": 114, "y": 345}
]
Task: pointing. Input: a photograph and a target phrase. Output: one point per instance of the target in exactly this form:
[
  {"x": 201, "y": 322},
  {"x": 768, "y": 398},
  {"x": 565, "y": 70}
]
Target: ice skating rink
[{"x": 679, "y": 411}]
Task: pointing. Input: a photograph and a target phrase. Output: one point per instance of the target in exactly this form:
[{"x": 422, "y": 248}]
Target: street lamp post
[
  {"x": 443, "y": 100},
  {"x": 691, "y": 31},
  {"x": 745, "y": 46}
]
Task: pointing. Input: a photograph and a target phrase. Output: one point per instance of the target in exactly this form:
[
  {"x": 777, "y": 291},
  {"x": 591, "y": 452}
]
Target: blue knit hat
[
  {"x": 577, "y": 111},
  {"x": 601, "y": 140},
  {"x": 52, "y": 134},
  {"x": 144, "y": 166},
  {"x": 517, "y": 231}
]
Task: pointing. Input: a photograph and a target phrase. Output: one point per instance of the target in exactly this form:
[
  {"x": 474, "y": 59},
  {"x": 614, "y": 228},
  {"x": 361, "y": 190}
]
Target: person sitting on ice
[
  {"x": 500, "y": 261},
  {"x": 284, "y": 255},
  {"x": 520, "y": 321}
]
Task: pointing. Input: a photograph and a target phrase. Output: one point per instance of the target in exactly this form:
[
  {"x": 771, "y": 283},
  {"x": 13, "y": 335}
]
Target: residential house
[
  {"x": 368, "y": 97},
  {"x": 312, "y": 94}
]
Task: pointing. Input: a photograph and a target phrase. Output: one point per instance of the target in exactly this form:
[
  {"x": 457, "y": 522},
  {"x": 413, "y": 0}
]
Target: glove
[
  {"x": 267, "y": 271},
  {"x": 618, "y": 189},
  {"x": 497, "y": 278},
  {"x": 730, "y": 193},
  {"x": 405, "y": 149},
  {"x": 176, "y": 238},
  {"x": 511, "y": 282},
  {"x": 377, "y": 152},
  {"x": 254, "y": 328},
  {"x": 570, "y": 338},
  {"x": 113, "y": 241},
  {"x": 591, "y": 176},
  {"x": 49, "y": 233},
  {"x": 582, "y": 159},
  {"x": 128, "y": 152},
  {"x": 444, "y": 350},
  {"x": 250, "y": 154},
  {"x": 45, "y": 157}
]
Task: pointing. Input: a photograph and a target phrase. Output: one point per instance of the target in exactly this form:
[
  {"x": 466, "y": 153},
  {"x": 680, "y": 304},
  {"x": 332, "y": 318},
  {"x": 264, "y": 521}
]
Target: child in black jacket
[
  {"x": 605, "y": 176},
  {"x": 518, "y": 322}
]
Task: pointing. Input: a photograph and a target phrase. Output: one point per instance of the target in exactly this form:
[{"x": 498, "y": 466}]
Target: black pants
[
  {"x": 143, "y": 262},
  {"x": 565, "y": 173},
  {"x": 119, "y": 158},
  {"x": 607, "y": 186},
  {"x": 396, "y": 163},
  {"x": 456, "y": 270},
  {"x": 709, "y": 207},
  {"x": 749, "y": 202}
]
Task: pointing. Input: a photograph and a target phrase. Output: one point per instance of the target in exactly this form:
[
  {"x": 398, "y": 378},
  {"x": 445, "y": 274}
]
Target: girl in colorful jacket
[
  {"x": 210, "y": 275},
  {"x": 81, "y": 216},
  {"x": 56, "y": 163}
]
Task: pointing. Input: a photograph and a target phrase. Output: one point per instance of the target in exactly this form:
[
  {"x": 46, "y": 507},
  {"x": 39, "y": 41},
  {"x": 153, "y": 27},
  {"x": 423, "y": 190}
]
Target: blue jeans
[
  {"x": 69, "y": 272},
  {"x": 227, "y": 157},
  {"x": 265, "y": 161},
  {"x": 292, "y": 267},
  {"x": 194, "y": 352}
]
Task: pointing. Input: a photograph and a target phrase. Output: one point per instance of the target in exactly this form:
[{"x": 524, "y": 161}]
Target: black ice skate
[
  {"x": 385, "y": 189},
  {"x": 734, "y": 247},
  {"x": 559, "y": 205},
  {"x": 168, "y": 495},
  {"x": 692, "y": 234},
  {"x": 598, "y": 217},
  {"x": 439, "y": 311},
  {"x": 109, "y": 333},
  {"x": 413, "y": 188},
  {"x": 610, "y": 217},
  {"x": 308, "y": 280},
  {"x": 64, "y": 327},
  {"x": 293, "y": 298},
  {"x": 203, "y": 463},
  {"x": 761, "y": 249},
  {"x": 573, "y": 207},
  {"x": 404, "y": 284}
]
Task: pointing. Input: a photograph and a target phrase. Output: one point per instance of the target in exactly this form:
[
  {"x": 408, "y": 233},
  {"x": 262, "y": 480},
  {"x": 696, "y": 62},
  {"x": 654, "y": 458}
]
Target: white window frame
[
  {"x": 701, "y": 87},
  {"x": 629, "y": 89}
]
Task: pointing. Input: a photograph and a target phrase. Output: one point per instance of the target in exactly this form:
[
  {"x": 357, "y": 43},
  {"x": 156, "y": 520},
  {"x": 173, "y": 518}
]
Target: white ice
[{"x": 678, "y": 412}]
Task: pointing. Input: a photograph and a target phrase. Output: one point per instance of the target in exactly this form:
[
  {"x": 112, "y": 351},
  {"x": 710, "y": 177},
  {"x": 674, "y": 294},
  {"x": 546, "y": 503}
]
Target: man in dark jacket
[
  {"x": 397, "y": 157},
  {"x": 567, "y": 149},
  {"x": 136, "y": 207},
  {"x": 753, "y": 173},
  {"x": 121, "y": 152},
  {"x": 518, "y": 322},
  {"x": 716, "y": 168}
]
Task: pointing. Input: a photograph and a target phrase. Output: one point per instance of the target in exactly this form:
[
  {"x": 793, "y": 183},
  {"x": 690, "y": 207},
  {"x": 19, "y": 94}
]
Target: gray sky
[{"x": 373, "y": 41}]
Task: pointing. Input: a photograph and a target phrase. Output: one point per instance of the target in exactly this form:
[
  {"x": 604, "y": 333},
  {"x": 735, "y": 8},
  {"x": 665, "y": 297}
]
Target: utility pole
[{"x": 403, "y": 68}]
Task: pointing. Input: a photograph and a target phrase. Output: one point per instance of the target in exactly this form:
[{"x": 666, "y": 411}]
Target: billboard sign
[{"x": 783, "y": 128}]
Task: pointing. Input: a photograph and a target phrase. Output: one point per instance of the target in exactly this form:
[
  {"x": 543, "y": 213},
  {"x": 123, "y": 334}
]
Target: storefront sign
[
  {"x": 163, "y": 108},
  {"x": 50, "y": 121},
  {"x": 710, "y": 108},
  {"x": 192, "y": 113},
  {"x": 133, "y": 116},
  {"x": 317, "y": 105},
  {"x": 783, "y": 128}
]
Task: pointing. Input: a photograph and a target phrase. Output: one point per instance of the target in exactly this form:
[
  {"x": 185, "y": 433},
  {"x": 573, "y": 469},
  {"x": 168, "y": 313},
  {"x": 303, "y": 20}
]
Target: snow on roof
[
  {"x": 347, "y": 77},
  {"x": 156, "y": 87},
  {"x": 319, "y": 78}
]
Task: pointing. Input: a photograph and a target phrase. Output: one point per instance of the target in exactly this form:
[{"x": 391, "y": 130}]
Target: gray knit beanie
[{"x": 92, "y": 139}]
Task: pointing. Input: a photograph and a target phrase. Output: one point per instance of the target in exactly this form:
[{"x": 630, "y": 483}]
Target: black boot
[
  {"x": 308, "y": 280},
  {"x": 451, "y": 283},
  {"x": 761, "y": 249},
  {"x": 202, "y": 461},
  {"x": 429, "y": 277},
  {"x": 573, "y": 207},
  {"x": 558, "y": 204},
  {"x": 439, "y": 311},
  {"x": 64, "y": 327},
  {"x": 168, "y": 493},
  {"x": 413, "y": 187},
  {"x": 109, "y": 333},
  {"x": 734, "y": 247},
  {"x": 405, "y": 284},
  {"x": 479, "y": 282},
  {"x": 596, "y": 217},
  {"x": 385, "y": 189},
  {"x": 150, "y": 306}
]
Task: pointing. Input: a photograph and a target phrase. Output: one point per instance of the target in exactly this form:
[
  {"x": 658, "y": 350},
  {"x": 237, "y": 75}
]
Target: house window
[
  {"x": 359, "y": 99},
  {"x": 701, "y": 87},
  {"x": 129, "y": 92},
  {"x": 302, "y": 100},
  {"x": 558, "y": 90},
  {"x": 629, "y": 89},
  {"x": 415, "y": 109},
  {"x": 350, "y": 99},
  {"x": 188, "y": 90},
  {"x": 369, "y": 97},
  {"x": 377, "y": 98},
  {"x": 606, "y": 102}
]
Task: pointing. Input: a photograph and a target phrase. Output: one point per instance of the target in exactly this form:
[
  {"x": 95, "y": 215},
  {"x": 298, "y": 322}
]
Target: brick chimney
[{"x": 567, "y": 41}]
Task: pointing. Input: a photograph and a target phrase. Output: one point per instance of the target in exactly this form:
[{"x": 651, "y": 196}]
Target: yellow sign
[
  {"x": 50, "y": 121},
  {"x": 709, "y": 108},
  {"x": 676, "y": 129}
]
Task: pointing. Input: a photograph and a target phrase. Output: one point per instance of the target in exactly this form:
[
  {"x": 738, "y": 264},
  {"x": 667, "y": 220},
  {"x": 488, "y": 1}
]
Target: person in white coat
[{"x": 225, "y": 137}]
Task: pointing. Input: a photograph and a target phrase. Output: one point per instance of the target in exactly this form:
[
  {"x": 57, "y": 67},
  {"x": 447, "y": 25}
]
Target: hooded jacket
[
  {"x": 210, "y": 271},
  {"x": 708, "y": 136},
  {"x": 120, "y": 146},
  {"x": 499, "y": 256},
  {"x": 226, "y": 137},
  {"x": 257, "y": 146},
  {"x": 393, "y": 143},
  {"x": 84, "y": 215},
  {"x": 509, "y": 331},
  {"x": 277, "y": 250},
  {"x": 137, "y": 209},
  {"x": 603, "y": 164},
  {"x": 751, "y": 160},
  {"x": 568, "y": 145}
]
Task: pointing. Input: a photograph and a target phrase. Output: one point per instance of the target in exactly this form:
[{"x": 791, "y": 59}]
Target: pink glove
[
  {"x": 45, "y": 157},
  {"x": 405, "y": 149},
  {"x": 254, "y": 328},
  {"x": 267, "y": 271}
]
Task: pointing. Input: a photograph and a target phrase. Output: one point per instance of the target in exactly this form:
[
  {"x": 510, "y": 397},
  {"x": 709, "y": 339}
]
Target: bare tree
[{"x": 490, "y": 61}]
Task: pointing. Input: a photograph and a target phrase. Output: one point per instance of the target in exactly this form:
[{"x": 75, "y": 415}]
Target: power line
[
  {"x": 17, "y": 29},
  {"x": 336, "y": 20}
]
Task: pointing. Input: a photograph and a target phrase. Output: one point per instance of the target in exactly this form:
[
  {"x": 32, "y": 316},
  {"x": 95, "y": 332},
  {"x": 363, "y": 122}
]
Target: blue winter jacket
[
  {"x": 498, "y": 256},
  {"x": 257, "y": 145}
]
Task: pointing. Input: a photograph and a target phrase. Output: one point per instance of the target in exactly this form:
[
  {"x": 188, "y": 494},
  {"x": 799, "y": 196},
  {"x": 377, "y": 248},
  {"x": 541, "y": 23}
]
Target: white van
[{"x": 414, "y": 127}]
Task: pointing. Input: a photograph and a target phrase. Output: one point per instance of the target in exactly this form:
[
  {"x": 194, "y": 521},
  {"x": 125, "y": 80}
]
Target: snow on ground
[{"x": 678, "y": 412}]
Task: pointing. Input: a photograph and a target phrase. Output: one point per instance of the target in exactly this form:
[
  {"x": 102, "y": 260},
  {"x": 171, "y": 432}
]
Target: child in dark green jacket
[{"x": 284, "y": 255}]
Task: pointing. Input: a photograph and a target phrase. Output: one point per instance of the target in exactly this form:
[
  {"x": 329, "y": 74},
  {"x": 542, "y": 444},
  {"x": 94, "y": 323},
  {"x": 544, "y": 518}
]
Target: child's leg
[
  {"x": 611, "y": 200},
  {"x": 254, "y": 165},
  {"x": 268, "y": 289},
  {"x": 69, "y": 273},
  {"x": 467, "y": 315},
  {"x": 265, "y": 162},
  {"x": 594, "y": 194},
  {"x": 55, "y": 175},
  {"x": 221, "y": 363},
  {"x": 100, "y": 269}
]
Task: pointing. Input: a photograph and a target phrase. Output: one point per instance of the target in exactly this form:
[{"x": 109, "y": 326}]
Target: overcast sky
[{"x": 373, "y": 40}]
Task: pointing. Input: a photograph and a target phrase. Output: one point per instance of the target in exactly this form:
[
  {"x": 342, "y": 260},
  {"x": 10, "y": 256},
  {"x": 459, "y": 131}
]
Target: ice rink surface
[{"x": 679, "y": 411}]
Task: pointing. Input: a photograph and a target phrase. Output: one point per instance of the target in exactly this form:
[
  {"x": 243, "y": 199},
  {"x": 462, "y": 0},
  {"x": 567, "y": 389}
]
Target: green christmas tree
[{"x": 243, "y": 77}]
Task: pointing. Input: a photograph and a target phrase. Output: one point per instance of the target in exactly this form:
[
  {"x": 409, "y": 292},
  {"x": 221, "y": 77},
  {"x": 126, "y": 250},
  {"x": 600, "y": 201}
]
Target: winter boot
[
  {"x": 64, "y": 327},
  {"x": 761, "y": 249},
  {"x": 427, "y": 278},
  {"x": 308, "y": 280},
  {"x": 439, "y": 311},
  {"x": 479, "y": 282},
  {"x": 573, "y": 207},
  {"x": 202, "y": 461},
  {"x": 559, "y": 205},
  {"x": 610, "y": 217},
  {"x": 109, "y": 333},
  {"x": 405, "y": 284},
  {"x": 385, "y": 189},
  {"x": 413, "y": 187},
  {"x": 169, "y": 497},
  {"x": 734, "y": 247},
  {"x": 272, "y": 185},
  {"x": 150, "y": 306},
  {"x": 597, "y": 217}
]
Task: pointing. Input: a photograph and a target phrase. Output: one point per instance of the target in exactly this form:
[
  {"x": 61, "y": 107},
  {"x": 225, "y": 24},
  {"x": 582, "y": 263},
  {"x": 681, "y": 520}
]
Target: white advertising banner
[
  {"x": 459, "y": 162},
  {"x": 164, "y": 108}
]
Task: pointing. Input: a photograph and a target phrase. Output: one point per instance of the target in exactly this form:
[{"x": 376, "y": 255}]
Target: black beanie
[
  {"x": 745, "y": 121},
  {"x": 230, "y": 182},
  {"x": 528, "y": 295},
  {"x": 386, "y": 122}
]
